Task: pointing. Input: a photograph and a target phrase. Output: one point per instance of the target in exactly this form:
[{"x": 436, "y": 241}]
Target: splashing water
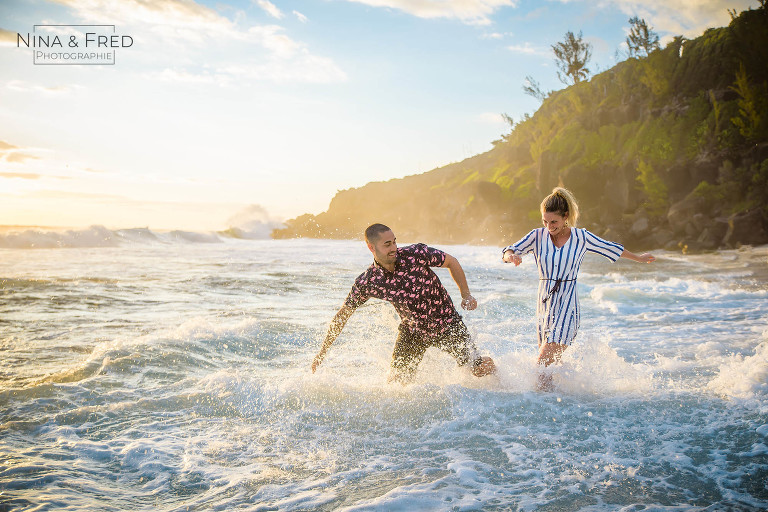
[{"x": 173, "y": 374}]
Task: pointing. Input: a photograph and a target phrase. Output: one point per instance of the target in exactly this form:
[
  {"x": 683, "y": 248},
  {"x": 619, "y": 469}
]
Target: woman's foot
[{"x": 545, "y": 383}]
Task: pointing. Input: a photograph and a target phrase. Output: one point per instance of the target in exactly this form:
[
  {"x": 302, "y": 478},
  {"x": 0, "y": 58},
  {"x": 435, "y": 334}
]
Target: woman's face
[{"x": 554, "y": 222}]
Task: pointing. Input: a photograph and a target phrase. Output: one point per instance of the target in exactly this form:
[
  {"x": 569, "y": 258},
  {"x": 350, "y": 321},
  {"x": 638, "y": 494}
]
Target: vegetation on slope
[{"x": 668, "y": 150}]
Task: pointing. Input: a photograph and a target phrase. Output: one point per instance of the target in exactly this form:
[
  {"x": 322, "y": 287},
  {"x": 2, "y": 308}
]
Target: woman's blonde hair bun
[{"x": 561, "y": 202}]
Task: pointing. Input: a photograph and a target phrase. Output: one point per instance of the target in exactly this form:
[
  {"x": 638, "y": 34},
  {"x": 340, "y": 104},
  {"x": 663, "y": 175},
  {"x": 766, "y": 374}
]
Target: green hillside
[{"x": 667, "y": 151}]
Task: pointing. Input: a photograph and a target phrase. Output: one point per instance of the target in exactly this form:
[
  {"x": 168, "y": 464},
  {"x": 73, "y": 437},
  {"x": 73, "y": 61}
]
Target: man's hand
[
  {"x": 337, "y": 324},
  {"x": 316, "y": 362},
  {"x": 469, "y": 303}
]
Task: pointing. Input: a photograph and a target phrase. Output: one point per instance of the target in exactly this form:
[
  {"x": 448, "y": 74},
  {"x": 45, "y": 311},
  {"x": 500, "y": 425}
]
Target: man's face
[{"x": 384, "y": 248}]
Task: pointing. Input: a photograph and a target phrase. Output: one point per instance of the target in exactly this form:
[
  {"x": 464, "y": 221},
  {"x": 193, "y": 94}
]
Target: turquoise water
[{"x": 167, "y": 373}]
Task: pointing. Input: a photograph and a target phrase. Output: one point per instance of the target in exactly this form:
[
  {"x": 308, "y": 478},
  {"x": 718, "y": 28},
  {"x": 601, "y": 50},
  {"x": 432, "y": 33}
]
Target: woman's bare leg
[{"x": 549, "y": 353}]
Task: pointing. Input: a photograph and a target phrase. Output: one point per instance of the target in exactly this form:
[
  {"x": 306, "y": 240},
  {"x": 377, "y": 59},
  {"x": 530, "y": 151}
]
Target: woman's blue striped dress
[{"x": 557, "y": 311}]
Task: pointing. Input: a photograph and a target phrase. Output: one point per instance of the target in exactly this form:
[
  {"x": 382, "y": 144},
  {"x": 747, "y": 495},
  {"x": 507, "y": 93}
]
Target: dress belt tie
[{"x": 554, "y": 288}]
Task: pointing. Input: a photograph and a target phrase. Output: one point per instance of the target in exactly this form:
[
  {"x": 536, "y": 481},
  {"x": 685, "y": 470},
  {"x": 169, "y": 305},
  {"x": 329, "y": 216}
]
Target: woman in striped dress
[{"x": 559, "y": 248}]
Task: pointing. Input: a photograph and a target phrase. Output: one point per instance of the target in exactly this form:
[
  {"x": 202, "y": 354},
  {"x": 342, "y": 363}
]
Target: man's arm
[
  {"x": 457, "y": 273},
  {"x": 337, "y": 324}
]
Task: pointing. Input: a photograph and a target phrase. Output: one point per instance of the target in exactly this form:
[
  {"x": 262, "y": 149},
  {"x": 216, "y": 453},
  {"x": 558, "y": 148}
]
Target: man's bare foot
[{"x": 486, "y": 367}]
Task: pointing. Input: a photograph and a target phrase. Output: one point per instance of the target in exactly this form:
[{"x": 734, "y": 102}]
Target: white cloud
[
  {"x": 270, "y": 8},
  {"x": 685, "y": 17},
  {"x": 529, "y": 49},
  {"x": 174, "y": 19},
  {"x": 272, "y": 38},
  {"x": 496, "y": 35},
  {"x": 476, "y": 12},
  {"x": 184, "y": 76},
  {"x": 12, "y": 154},
  {"x": 490, "y": 118},
  {"x": 288, "y": 62},
  {"x": 304, "y": 67},
  {"x": 300, "y": 16},
  {"x": 7, "y": 38},
  {"x": 19, "y": 85},
  {"x": 20, "y": 175},
  {"x": 192, "y": 28}
]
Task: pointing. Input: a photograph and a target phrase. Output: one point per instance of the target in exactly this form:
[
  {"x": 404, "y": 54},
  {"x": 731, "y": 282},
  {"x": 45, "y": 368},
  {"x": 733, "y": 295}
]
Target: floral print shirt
[{"x": 421, "y": 300}]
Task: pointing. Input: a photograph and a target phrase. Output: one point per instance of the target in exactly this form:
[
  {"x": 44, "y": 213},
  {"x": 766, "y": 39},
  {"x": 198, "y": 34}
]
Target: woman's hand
[
  {"x": 511, "y": 257},
  {"x": 646, "y": 257}
]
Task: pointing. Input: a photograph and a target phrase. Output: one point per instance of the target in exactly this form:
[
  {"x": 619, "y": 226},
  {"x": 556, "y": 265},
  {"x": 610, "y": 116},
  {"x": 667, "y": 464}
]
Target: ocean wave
[
  {"x": 100, "y": 236},
  {"x": 94, "y": 236},
  {"x": 196, "y": 345}
]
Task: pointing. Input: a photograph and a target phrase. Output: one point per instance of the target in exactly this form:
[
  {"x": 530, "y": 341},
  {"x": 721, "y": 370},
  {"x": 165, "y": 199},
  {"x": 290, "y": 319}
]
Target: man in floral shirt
[{"x": 428, "y": 317}]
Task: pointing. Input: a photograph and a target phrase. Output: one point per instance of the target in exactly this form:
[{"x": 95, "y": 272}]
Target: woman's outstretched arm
[{"x": 646, "y": 257}]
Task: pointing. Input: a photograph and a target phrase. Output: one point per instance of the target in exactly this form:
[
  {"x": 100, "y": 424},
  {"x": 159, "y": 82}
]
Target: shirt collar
[{"x": 379, "y": 266}]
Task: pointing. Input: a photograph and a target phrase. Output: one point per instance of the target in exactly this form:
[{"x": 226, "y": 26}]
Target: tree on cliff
[
  {"x": 642, "y": 40},
  {"x": 571, "y": 57},
  {"x": 532, "y": 88}
]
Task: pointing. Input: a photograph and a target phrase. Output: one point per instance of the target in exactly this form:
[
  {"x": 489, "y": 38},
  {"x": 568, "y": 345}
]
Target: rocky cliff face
[{"x": 670, "y": 151}]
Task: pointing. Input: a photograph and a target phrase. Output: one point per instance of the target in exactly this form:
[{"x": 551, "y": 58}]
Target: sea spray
[{"x": 173, "y": 375}]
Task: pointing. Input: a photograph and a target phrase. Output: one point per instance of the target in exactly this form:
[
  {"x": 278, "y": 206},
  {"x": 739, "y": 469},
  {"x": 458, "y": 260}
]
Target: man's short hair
[{"x": 373, "y": 231}]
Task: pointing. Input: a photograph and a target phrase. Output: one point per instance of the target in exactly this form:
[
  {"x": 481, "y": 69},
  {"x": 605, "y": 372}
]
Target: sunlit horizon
[{"x": 216, "y": 107}]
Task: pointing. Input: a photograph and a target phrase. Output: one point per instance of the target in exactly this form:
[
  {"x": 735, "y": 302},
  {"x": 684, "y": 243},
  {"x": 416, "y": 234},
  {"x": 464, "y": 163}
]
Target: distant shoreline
[{"x": 14, "y": 229}]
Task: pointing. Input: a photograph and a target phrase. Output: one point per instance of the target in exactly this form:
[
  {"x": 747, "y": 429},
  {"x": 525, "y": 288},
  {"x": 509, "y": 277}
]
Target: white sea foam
[
  {"x": 193, "y": 237},
  {"x": 174, "y": 375},
  {"x": 253, "y": 223},
  {"x": 744, "y": 376}
]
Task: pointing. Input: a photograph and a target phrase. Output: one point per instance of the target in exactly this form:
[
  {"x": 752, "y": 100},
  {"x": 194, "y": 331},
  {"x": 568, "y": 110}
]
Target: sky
[{"x": 216, "y": 110}]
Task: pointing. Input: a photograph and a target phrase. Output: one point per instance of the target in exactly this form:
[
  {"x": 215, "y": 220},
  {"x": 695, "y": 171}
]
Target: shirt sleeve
[
  {"x": 357, "y": 295},
  {"x": 597, "y": 245},
  {"x": 522, "y": 246},
  {"x": 427, "y": 256}
]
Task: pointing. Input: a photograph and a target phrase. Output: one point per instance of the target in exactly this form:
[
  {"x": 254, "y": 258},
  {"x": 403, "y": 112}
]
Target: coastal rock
[
  {"x": 640, "y": 226},
  {"x": 611, "y": 234},
  {"x": 700, "y": 222},
  {"x": 722, "y": 95},
  {"x": 662, "y": 237},
  {"x": 718, "y": 227},
  {"x": 547, "y": 171},
  {"x": 707, "y": 240},
  {"x": 616, "y": 190},
  {"x": 682, "y": 212},
  {"x": 746, "y": 229}
]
